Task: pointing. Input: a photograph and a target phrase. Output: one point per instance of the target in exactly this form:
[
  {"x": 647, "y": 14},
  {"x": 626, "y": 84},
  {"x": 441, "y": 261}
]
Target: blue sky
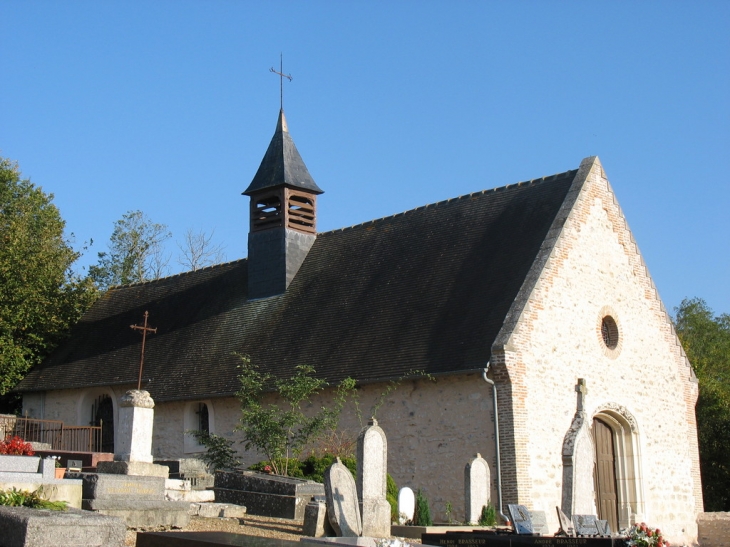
[{"x": 168, "y": 107}]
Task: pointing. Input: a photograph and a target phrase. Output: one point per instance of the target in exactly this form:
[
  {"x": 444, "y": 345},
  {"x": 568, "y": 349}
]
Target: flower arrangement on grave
[
  {"x": 15, "y": 446},
  {"x": 641, "y": 535},
  {"x": 35, "y": 500}
]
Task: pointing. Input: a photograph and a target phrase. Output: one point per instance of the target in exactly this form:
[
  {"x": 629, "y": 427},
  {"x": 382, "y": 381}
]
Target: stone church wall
[
  {"x": 433, "y": 429},
  {"x": 593, "y": 270}
]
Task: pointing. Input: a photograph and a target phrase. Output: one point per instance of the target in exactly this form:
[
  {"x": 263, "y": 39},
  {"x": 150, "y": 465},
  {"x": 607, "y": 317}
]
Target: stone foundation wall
[{"x": 714, "y": 529}]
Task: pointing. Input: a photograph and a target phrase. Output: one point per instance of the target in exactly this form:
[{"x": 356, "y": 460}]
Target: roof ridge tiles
[
  {"x": 179, "y": 274},
  {"x": 548, "y": 178}
]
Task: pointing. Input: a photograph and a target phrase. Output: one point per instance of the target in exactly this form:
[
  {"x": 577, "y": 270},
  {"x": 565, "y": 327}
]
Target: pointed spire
[{"x": 282, "y": 165}]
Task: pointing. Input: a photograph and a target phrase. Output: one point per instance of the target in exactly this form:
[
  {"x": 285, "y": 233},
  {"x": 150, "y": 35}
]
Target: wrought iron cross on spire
[
  {"x": 145, "y": 329},
  {"x": 281, "y": 74}
]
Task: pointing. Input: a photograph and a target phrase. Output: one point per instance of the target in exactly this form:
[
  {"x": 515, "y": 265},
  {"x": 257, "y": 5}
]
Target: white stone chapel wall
[{"x": 594, "y": 270}]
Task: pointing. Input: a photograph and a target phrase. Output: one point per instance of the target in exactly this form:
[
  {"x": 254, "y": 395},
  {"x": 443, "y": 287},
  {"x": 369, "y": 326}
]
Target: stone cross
[
  {"x": 476, "y": 488},
  {"x": 372, "y": 469},
  {"x": 144, "y": 329},
  {"x": 582, "y": 391}
]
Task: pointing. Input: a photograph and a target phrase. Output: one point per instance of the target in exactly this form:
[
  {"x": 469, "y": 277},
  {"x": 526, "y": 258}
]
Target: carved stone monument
[
  {"x": 578, "y": 461},
  {"x": 372, "y": 468},
  {"x": 343, "y": 508},
  {"x": 406, "y": 505},
  {"x": 476, "y": 488},
  {"x": 133, "y": 454}
]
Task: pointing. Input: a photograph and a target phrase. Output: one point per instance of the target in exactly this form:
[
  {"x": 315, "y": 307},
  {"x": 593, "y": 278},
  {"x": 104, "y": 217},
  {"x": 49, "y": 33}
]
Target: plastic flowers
[{"x": 640, "y": 535}]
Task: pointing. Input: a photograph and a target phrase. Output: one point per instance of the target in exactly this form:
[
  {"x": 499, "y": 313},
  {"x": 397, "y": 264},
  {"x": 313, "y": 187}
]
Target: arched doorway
[
  {"x": 617, "y": 472},
  {"x": 604, "y": 474},
  {"x": 102, "y": 412}
]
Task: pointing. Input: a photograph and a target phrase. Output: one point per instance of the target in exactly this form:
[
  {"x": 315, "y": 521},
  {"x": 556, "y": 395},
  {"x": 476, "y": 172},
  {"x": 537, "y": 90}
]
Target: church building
[{"x": 534, "y": 291}]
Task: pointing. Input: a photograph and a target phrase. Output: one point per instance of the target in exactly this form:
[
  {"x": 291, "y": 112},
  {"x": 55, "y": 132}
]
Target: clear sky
[{"x": 168, "y": 107}]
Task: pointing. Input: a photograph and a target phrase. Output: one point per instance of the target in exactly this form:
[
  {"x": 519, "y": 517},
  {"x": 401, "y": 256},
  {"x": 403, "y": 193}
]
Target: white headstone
[
  {"x": 134, "y": 432},
  {"x": 406, "y": 505},
  {"x": 372, "y": 464},
  {"x": 342, "y": 506},
  {"x": 476, "y": 488}
]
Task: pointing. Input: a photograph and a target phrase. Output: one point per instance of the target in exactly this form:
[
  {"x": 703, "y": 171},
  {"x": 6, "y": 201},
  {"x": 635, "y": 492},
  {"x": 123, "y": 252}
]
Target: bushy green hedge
[{"x": 312, "y": 468}]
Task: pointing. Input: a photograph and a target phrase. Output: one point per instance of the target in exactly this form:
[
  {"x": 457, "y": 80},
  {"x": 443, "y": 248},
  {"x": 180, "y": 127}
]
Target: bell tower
[{"x": 282, "y": 216}]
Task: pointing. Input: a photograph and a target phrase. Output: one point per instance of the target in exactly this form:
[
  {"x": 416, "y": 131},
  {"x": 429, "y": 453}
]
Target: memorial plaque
[
  {"x": 539, "y": 523},
  {"x": 566, "y": 525},
  {"x": 585, "y": 525},
  {"x": 604, "y": 528},
  {"x": 520, "y": 519}
]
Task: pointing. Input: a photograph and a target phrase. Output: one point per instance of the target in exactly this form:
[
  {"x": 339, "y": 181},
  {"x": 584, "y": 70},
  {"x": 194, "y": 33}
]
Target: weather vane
[{"x": 281, "y": 74}]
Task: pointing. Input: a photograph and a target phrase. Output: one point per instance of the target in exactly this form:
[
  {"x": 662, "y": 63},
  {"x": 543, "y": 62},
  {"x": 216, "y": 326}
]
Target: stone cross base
[
  {"x": 133, "y": 468},
  {"x": 375, "y": 518}
]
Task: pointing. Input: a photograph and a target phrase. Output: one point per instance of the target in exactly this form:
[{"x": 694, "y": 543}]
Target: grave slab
[
  {"x": 585, "y": 525},
  {"x": 208, "y": 539},
  {"x": 486, "y": 539},
  {"x": 140, "y": 513},
  {"x": 108, "y": 487},
  {"x": 539, "y": 523},
  {"x": 25, "y": 527},
  {"x": 521, "y": 519}
]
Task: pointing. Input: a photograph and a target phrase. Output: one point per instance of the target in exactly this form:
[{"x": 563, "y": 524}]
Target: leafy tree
[
  {"x": 706, "y": 340},
  {"x": 135, "y": 252},
  {"x": 40, "y": 296},
  {"x": 422, "y": 515},
  {"x": 198, "y": 251},
  {"x": 282, "y": 432}
]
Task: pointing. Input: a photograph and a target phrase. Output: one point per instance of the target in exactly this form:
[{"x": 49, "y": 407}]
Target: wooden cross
[
  {"x": 145, "y": 329},
  {"x": 281, "y": 74}
]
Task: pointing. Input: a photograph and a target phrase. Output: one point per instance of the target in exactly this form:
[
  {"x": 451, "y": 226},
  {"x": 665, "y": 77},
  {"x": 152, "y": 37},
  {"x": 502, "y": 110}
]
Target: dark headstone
[
  {"x": 585, "y": 525},
  {"x": 486, "y": 538},
  {"x": 520, "y": 519}
]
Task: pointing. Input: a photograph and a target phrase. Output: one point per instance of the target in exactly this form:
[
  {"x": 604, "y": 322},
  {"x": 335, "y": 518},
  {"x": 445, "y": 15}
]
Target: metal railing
[{"x": 61, "y": 437}]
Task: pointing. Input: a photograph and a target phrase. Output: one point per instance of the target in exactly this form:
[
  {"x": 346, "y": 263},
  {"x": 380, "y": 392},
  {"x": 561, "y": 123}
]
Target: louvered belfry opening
[{"x": 299, "y": 212}]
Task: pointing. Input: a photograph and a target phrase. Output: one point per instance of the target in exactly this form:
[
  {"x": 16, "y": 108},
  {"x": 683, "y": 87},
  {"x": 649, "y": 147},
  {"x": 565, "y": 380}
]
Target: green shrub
[
  {"x": 391, "y": 494},
  {"x": 422, "y": 516},
  {"x": 219, "y": 453},
  {"x": 312, "y": 468},
  {"x": 488, "y": 516}
]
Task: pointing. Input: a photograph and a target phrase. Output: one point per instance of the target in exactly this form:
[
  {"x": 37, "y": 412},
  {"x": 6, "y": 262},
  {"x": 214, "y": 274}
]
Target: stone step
[{"x": 143, "y": 513}]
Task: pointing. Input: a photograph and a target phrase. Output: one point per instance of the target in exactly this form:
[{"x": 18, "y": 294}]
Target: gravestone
[
  {"x": 266, "y": 495},
  {"x": 585, "y": 525},
  {"x": 578, "y": 495},
  {"x": 343, "y": 508},
  {"x": 476, "y": 488},
  {"x": 520, "y": 518},
  {"x": 566, "y": 525},
  {"x": 539, "y": 523},
  {"x": 372, "y": 469},
  {"x": 25, "y": 527},
  {"x": 604, "y": 528},
  {"x": 316, "y": 523},
  {"x": 138, "y": 500},
  {"x": 406, "y": 505},
  {"x": 133, "y": 446}
]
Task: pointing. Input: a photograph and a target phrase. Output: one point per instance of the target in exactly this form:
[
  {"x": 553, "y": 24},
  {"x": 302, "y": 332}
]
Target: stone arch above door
[
  {"x": 97, "y": 404},
  {"x": 625, "y": 433}
]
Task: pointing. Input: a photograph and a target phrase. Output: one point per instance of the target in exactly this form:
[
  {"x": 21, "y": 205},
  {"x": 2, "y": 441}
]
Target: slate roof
[
  {"x": 282, "y": 164},
  {"x": 426, "y": 289}
]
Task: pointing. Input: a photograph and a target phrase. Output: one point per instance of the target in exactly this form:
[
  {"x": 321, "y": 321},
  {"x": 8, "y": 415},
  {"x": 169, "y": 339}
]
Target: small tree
[
  {"x": 219, "y": 452},
  {"x": 422, "y": 515},
  {"x": 281, "y": 432},
  {"x": 198, "y": 250}
]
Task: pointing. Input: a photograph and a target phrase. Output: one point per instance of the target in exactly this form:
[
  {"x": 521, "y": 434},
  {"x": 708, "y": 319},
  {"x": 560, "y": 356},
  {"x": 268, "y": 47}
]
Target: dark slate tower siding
[
  {"x": 283, "y": 216},
  {"x": 274, "y": 258}
]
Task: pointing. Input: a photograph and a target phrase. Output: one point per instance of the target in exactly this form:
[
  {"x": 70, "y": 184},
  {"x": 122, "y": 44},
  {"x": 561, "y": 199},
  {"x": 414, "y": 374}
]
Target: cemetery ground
[{"x": 251, "y": 525}]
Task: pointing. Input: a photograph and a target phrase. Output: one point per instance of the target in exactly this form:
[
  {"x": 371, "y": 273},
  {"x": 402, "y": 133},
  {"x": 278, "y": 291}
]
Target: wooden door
[{"x": 605, "y": 479}]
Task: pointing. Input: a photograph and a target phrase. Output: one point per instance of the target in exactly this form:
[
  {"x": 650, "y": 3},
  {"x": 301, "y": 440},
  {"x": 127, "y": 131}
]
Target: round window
[{"x": 609, "y": 332}]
